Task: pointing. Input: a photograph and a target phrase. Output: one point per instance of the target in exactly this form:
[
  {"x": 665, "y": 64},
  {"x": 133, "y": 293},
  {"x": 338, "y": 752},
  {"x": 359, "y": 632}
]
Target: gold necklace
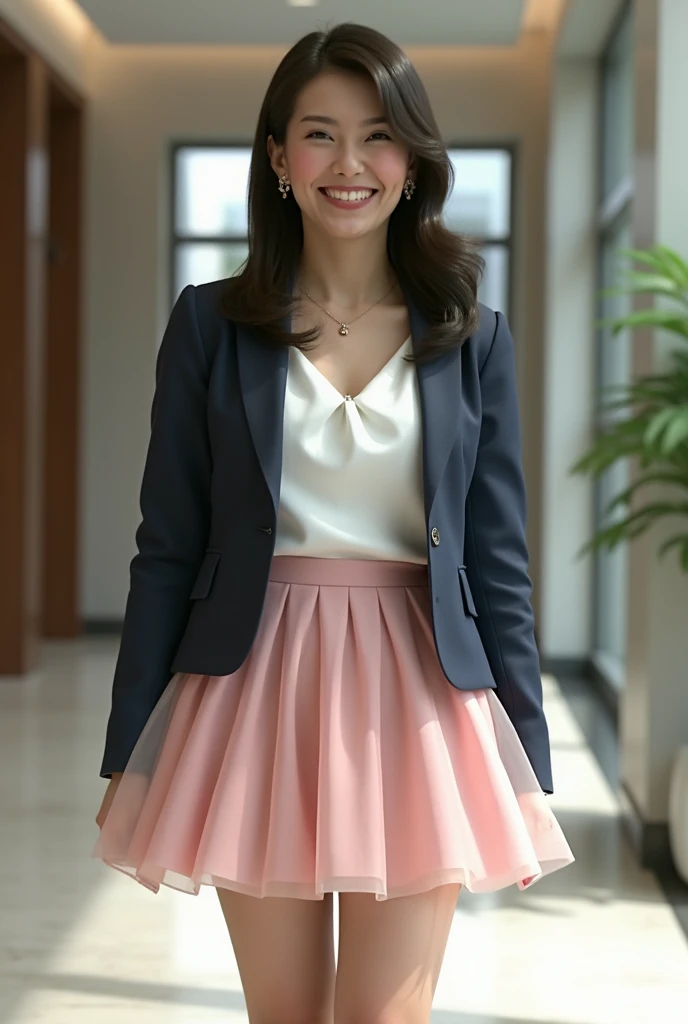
[{"x": 344, "y": 328}]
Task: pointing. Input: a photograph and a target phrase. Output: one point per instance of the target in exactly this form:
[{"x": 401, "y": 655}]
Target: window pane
[
  {"x": 617, "y": 108},
  {"x": 480, "y": 202},
  {"x": 198, "y": 262},
  {"x": 494, "y": 288},
  {"x": 212, "y": 189}
]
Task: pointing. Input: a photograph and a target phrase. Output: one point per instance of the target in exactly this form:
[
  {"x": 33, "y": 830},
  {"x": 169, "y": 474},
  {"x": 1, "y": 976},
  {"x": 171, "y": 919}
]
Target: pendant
[{"x": 343, "y": 329}]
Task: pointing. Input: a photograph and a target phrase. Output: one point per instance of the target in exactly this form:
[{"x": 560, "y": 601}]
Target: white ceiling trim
[{"x": 276, "y": 22}]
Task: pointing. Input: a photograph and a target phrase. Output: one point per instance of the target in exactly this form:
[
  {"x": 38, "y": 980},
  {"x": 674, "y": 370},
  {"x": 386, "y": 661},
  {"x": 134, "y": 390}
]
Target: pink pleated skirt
[{"x": 338, "y": 757}]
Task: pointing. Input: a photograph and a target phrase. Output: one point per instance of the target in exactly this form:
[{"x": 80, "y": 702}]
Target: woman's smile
[{"x": 346, "y": 198}]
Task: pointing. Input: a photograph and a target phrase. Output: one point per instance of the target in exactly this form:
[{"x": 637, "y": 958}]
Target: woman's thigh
[
  {"x": 390, "y": 954},
  {"x": 285, "y": 953}
]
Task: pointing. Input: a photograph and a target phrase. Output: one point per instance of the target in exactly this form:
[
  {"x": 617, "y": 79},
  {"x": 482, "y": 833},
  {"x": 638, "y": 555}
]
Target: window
[
  {"x": 480, "y": 206},
  {"x": 613, "y": 353},
  {"x": 210, "y": 213},
  {"x": 210, "y": 224}
]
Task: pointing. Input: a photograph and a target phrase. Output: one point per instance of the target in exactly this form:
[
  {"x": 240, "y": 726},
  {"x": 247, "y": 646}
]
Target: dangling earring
[
  {"x": 409, "y": 187},
  {"x": 284, "y": 185}
]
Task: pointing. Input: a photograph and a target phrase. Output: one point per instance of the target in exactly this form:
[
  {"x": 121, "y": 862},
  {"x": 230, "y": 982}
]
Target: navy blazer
[{"x": 209, "y": 500}]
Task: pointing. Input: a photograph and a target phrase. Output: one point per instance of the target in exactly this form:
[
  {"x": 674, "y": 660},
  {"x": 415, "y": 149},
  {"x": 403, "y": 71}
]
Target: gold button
[{"x": 435, "y": 534}]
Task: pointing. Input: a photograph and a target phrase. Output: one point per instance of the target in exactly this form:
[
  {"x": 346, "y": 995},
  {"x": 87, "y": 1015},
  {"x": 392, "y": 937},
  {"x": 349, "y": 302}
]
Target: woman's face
[{"x": 329, "y": 146}]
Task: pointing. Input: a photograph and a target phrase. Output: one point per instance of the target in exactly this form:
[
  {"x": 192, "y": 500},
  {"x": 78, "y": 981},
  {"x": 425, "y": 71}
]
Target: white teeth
[{"x": 349, "y": 196}]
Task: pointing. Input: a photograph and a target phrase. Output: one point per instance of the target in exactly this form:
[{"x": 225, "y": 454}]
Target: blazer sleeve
[
  {"x": 172, "y": 535},
  {"x": 497, "y": 556}
]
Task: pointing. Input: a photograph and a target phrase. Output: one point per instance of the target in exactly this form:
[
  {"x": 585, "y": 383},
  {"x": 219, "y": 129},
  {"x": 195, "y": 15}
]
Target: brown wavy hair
[{"x": 438, "y": 268}]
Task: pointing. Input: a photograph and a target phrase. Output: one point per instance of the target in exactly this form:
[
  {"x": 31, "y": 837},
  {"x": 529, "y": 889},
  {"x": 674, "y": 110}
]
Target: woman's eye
[{"x": 319, "y": 131}]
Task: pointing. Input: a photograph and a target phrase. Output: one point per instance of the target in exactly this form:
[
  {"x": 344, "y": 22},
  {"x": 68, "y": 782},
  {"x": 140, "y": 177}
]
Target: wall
[
  {"x": 142, "y": 98},
  {"x": 42, "y": 62},
  {"x": 58, "y": 31}
]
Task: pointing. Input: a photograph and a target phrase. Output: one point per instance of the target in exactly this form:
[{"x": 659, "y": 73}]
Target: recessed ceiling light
[{"x": 303, "y": 3}]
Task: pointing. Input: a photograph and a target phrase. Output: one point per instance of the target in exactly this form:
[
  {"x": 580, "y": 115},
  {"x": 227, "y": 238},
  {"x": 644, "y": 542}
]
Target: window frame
[{"x": 612, "y": 209}]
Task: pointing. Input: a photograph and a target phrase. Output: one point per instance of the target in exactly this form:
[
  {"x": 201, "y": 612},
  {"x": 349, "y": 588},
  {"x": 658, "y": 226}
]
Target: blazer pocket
[
  {"x": 468, "y": 602},
  {"x": 206, "y": 573}
]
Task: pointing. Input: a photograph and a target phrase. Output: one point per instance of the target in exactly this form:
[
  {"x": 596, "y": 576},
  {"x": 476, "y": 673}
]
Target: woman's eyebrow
[{"x": 331, "y": 120}]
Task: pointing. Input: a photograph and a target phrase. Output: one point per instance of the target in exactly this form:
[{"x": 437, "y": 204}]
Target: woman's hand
[
  {"x": 108, "y": 798},
  {"x": 538, "y": 816},
  {"x": 536, "y": 810}
]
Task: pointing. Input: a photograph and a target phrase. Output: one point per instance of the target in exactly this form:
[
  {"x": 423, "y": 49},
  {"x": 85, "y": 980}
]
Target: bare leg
[
  {"x": 285, "y": 953},
  {"x": 390, "y": 955}
]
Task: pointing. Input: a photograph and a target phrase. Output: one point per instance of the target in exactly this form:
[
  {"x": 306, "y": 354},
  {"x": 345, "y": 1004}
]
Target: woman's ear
[{"x": 276, "y": 155}]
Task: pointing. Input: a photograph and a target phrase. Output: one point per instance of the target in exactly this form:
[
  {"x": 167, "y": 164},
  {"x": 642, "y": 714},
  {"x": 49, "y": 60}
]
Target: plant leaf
[
  {"x": 680, "y": 541},
  {"x": 676, "y": 267},
  {"x": 665, "y": 319},
  {"x": 676, "y": 431},
  {"x": 644, "y": 256},
  {"x": 652, "y": 511},
  {"x": 664, "y": 259},
  {"x": 643, "y": 283},
  {"x": 659, "y": 422},
  {"x": 672, "y": 479}
]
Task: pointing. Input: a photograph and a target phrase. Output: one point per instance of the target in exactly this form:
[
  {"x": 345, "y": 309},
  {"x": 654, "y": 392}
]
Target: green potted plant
[{"x": 651, "y": 425}]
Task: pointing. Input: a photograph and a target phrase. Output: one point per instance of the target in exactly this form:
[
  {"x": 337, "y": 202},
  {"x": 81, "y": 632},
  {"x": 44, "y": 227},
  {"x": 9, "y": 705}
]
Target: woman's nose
[{"x": 348, "y": 161}]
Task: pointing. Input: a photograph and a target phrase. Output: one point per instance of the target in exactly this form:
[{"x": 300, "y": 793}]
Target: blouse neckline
[{"x": 370, "y": 383}]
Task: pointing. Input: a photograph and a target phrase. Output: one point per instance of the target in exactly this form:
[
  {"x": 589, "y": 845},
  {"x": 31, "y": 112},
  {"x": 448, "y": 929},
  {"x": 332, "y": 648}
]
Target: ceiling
[{"x": 275, "y": 22}]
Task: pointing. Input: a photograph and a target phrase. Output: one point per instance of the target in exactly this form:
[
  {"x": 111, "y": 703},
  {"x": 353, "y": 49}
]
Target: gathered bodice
[{"x": 352, "y": 482}]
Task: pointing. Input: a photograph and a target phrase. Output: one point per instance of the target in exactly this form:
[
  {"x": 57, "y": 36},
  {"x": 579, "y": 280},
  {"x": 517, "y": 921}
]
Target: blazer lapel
[
  {"x": 439, "y": 385},
  {"x": 263, "y": 378},
  {"x": 263, "y": 381}
]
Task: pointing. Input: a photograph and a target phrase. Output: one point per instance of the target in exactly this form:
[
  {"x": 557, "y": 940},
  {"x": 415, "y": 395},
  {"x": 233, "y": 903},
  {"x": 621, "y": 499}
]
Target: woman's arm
[
  {"x": 496, "y": 554},
  {"x": 172, "y": 536}
]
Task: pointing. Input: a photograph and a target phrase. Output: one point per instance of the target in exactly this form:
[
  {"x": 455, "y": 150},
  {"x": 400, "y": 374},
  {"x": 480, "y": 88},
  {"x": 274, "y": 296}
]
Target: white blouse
[{"x": 352, "y": 480}]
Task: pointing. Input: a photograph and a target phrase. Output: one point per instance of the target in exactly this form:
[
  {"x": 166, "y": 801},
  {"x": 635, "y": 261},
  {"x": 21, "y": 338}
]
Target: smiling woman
[
  {"x": 375, "y": 131},
  {"x": 328, "y": 679}
]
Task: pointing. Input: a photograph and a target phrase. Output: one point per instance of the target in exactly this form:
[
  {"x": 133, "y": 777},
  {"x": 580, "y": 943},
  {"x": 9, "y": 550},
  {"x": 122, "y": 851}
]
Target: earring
[
  {"x": 284, "y": 185},
  {"x": 409, "y": 187}
]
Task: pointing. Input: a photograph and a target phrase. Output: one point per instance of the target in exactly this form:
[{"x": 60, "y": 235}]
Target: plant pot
[{"x": 678, "y": 813}]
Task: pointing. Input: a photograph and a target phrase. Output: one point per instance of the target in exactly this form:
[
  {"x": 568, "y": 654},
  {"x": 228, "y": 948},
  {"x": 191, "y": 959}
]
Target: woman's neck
[{"x": 345, "y": 273}]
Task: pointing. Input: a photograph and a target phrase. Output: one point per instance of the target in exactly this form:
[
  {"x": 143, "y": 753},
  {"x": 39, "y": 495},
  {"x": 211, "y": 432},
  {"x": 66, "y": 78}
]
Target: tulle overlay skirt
[{"x": 338, "y": 757}]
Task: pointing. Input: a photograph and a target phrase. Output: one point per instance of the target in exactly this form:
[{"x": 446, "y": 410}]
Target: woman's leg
[
  {"x": 390, "y": 954},
  {"x": 285, "y": 953}
]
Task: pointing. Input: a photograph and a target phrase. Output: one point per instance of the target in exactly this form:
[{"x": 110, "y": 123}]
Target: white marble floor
[{"x": 80, "y": 943}]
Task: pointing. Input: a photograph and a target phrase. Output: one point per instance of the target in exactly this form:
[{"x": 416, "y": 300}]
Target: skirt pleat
[{"x": 338, "y": 757}]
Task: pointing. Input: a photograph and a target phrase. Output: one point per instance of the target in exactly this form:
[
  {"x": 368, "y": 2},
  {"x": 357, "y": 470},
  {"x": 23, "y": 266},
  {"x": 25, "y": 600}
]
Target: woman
[{"x": 328, "y": 679}]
